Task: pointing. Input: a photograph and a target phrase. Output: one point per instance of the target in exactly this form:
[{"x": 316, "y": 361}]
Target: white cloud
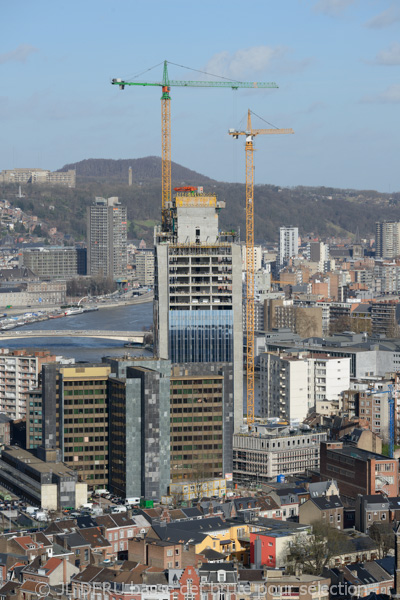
[
  {"x": 332, "y": 7},
  {"x": 20, "y": 54},
  {"x": 391, "y": 56},
  {"x": 390, "y": 96},
  {"x": 385, "y": 18},
  {"x": 245, "y": 62}
]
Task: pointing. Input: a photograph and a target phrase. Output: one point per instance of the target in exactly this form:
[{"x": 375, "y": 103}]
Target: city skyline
[{"x": 336, "y": 63}]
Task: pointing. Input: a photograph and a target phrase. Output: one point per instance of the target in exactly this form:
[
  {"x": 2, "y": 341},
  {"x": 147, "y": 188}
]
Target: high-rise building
[
  {"x": 198, "y": 289},
  {"x": 387, "y": 239},
  {"x": 288, "y": 243},
  {"x": 106, "y": 238},
  {"x": 75, "y": 417},
  {"x": 139, "y": 433},
  {"x": 201, "y": 421}
]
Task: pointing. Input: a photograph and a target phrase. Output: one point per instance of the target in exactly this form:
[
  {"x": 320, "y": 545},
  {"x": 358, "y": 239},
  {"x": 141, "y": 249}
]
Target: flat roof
[
  {"x": 30, "y": 459},
  {"x": 358, "y": 453}
]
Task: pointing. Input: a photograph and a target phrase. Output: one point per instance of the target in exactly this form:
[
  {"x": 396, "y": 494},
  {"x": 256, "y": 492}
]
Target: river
[{"x": 132, "y": 317}]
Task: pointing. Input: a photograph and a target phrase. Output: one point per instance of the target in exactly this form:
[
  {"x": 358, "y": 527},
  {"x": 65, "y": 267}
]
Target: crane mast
[
  {"x": 166, "y": 186},
  {"x": 250, "y": 274},
  {"x": 166, "y": 84}
]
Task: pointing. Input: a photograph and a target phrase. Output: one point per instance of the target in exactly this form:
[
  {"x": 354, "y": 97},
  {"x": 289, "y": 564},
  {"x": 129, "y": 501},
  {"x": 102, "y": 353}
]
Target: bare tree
[
  {"x": 383, "y": 535},
  {"x": 312, "y": 553}
]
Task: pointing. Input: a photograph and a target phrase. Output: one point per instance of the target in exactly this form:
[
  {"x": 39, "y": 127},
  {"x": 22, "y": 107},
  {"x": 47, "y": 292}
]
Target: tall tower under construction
[{"x": 198, "y": 290}]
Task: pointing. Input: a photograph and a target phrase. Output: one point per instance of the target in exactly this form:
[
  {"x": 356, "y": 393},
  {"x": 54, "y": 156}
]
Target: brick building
[{"x": 358, "y": 471}]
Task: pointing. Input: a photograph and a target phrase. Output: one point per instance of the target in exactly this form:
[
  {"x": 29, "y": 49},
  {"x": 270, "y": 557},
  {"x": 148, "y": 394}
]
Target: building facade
[
  {"x": 39, "y": 176},
  {"x": 19, "y": 372},
  {"x": 75, "y": 417},
  {"x": 288, "y": 243},
  {"x": 54, "y": 261},
  {"x": 139, "y": 435},
  {"x": 198, "y": 289},
  {"x": 260, "y": 456},
  {"x": 145, "y": 267},
  {"x": 107, "y": 238},
  {"x": 201, "y": 421},
  {"x": 387, "y": 239}
]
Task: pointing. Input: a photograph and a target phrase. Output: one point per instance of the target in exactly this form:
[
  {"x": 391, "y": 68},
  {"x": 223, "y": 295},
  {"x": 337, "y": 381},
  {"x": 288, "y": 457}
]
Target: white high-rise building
[
  {"x": 288, "y": 243},
  {"x": 107, "y": 233}
]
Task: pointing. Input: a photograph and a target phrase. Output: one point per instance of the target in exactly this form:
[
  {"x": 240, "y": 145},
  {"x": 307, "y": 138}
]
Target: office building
[
  {"x": 359, "y": 471},
  {"x": 387, "y": 239},
  {"x": 288, "y": 243},
  {"x": 54, "y": 261},
  {"x": 39, "y": 176},
  {"x": 198, "y": 289},
  {"x": 269, "y": 451},
  {"x": 19, "y": 372},
  {"x": 75, "y": 417},
  {"x": 106, "y": 238},
  {"x": 201, "y": 421},
  {"x": 139, "y": 433}
]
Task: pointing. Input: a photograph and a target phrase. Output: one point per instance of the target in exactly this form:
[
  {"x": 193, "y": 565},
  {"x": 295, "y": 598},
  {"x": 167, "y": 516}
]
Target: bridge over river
[{"x": 124, "y": 336}]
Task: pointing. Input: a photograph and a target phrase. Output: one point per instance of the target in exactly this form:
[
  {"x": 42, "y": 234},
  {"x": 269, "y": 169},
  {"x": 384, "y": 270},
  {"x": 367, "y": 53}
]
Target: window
[{"x": 169, "y": 552}]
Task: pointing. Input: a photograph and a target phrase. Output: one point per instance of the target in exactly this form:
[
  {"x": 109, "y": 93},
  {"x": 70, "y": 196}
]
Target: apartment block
[
  {"x": 198, "y": 288},
  {"x": 374, "y": 408},
  {"x": 265, "y": 453},
  {"x": 145, "y": 267},
  {"x": 387, "y": 239},
  {"x": 139, "y": 434},
  {"x": 288, "y": 243},
  {"x": 75, "y": 414},
  {"x": 292, "y": 383},
  {"x": 284, "y": 386},
  {"x": 19, "y": 372},
  {"x": 54, "y": 261},
  {"x": 384, "y": 317},
  {"x": 107, "y": 238}
]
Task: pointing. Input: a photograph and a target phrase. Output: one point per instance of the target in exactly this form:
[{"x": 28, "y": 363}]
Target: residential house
[
  {"x": 371, "y": 509},
  {"x": 327, "y": 510}
]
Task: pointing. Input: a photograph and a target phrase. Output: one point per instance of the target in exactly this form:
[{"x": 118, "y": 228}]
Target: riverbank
[{"x": 19, "y": 311}]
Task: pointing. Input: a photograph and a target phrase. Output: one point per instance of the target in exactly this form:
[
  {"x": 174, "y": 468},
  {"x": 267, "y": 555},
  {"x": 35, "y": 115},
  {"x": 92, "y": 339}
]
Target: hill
[
  {"x": 322, "y": 211},
  {"x": 143, "y": 170}
]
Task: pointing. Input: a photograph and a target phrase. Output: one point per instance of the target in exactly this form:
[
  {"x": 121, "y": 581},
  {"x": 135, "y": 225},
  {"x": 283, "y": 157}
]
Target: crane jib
[{"x": 224, "y": 84}]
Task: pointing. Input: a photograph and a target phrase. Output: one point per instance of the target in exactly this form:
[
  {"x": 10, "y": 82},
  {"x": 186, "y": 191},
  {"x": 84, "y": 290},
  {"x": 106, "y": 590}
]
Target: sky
[{"x": 336, "y": 62}]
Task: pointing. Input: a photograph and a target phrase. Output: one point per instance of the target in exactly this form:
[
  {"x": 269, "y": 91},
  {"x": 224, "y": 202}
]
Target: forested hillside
[{"x": 322, "y": 211}]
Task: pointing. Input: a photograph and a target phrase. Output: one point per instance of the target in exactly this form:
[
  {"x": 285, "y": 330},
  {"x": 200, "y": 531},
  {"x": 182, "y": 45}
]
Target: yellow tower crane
[
  {"x": 166, "y": 84},
  {"x": 250, "y": 134}
]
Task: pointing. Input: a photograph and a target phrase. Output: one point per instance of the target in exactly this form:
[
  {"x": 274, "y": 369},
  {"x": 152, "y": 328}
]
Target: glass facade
[{"x": 200, "y": 336}]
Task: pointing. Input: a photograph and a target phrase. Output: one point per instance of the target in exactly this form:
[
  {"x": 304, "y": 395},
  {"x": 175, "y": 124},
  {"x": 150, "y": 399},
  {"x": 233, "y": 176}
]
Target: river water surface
[{"x": 133, "y": 317}]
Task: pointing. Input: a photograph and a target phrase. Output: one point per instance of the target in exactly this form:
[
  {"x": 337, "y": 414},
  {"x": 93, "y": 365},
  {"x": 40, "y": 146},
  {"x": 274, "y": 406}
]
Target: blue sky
[{"x": 337, "y": 64}]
